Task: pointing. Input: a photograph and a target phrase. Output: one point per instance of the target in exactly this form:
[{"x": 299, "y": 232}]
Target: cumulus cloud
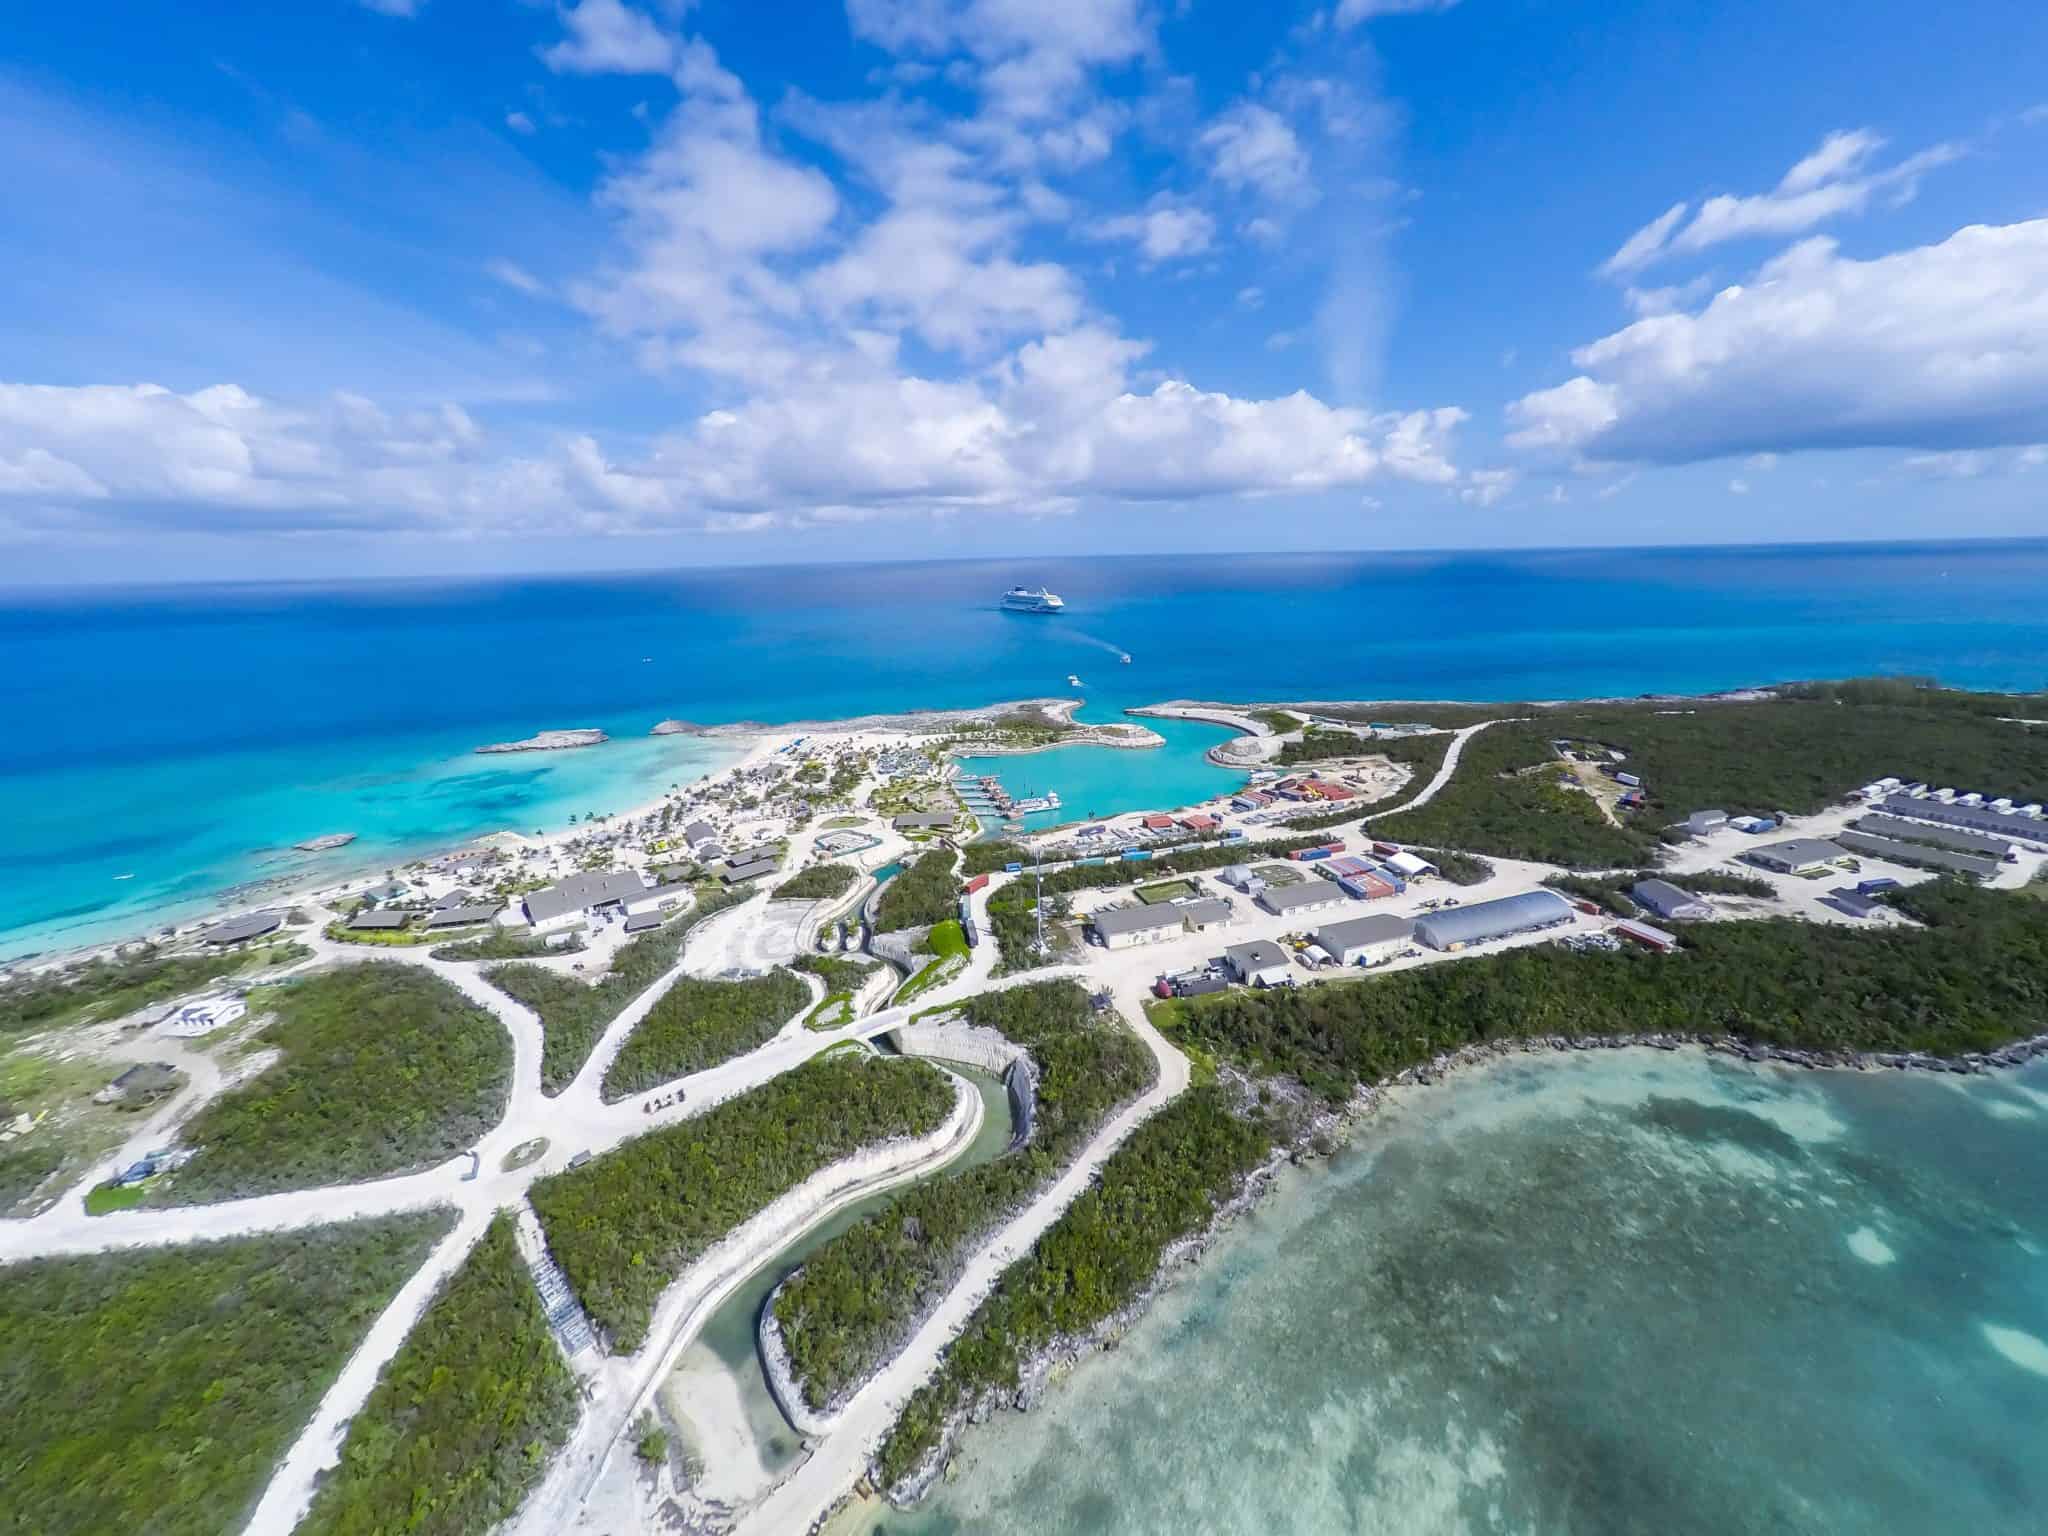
[
  {"x": 607, "y": 37},
  {"x": 1835, "y": 179},
  {"x": 1252, "y": 147},
  {"x": 512, "y": 275},
  {"x": 1938, "y": 347},
  {"x": 1164, "y": 231},
  {"x": 1485, "y": 487},
  {"x": 519, "y": 122}
]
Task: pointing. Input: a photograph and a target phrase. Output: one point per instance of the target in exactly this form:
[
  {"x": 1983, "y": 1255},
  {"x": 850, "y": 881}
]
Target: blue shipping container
[{"x": 1135, "y": 854}]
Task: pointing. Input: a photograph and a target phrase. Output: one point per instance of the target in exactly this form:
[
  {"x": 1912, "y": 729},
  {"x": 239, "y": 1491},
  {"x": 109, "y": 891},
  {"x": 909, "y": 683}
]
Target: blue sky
[{"x": 385, "y": 286}]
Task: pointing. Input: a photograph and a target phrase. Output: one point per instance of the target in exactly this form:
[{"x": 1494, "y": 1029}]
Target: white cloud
[
  {"x": 1958, "y": 464},
  {"x": 1937, "y": 347},
  {"x": 1833, "y": 180},
  {"x": 1252, "y": 147},
  {"x": 1662, "y": 301},
  {"x": 1252, "y": 297},
  {"x": 1738, "y": 487},
  {"x": 2035, "y": 115},
  {"x": 519, "y": 122},
  {"x": 2033, "y": 456},
  {"x": 405, "y": 8},
  {"x": 1762, "y": 462},
  {"x": 1165, "y": 231},
  {"x": 607, "y": 37},
  {"x": 1351, "y": 12},
  {"x": 512, "y": 275},
  {"x": 1485, "y": 487}
]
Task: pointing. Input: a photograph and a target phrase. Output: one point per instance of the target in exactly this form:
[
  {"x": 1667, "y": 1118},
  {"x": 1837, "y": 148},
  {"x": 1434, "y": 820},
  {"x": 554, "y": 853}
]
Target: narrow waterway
[{"x": 717, "y": 1394}]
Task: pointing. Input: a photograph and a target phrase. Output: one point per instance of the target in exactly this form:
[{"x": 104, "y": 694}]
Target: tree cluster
[
  {"x": 817, "y": 883},
  {"x": 627, "y": 1223},
  {"x": 385, "y": 1069},
  {"x": 107, "y": 987},
  {"x": 465, "y": 1416},
  {"x": 697, "y": 1024},
  {"x": 1163, "y": 1184},
  {"x": 925, "y": 893},
  {"x": 855, "y": 1301},
  {"x": 156, "y": 1389}
]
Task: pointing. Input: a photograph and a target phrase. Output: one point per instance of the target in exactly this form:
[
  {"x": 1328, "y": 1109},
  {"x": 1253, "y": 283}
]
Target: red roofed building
[
  {"x": 1158, "y": 823},
  {"x": 1199, "y": 823}
]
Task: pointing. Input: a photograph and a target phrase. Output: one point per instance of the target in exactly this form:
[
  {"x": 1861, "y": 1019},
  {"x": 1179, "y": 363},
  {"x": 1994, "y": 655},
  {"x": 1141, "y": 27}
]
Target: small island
[
  {"x": 549, "y": 741},
  {"x": 325, "y": 842}
]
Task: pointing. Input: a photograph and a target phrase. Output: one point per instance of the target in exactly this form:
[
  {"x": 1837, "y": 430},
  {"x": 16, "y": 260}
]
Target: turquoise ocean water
[
  {"x": 186, "y": 737},
  {"x": 1619, "y": 1293}
]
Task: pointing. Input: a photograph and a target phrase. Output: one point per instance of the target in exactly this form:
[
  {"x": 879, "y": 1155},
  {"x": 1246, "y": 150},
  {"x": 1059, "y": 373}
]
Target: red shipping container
[{"x": 975, "y": 884}]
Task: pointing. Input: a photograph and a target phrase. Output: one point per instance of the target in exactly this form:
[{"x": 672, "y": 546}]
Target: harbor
[{"x": 985, "y": 796}]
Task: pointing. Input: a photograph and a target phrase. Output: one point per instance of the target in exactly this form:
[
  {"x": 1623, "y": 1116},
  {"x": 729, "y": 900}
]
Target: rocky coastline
[
  {"x": 1319, "y": 1133},
  {"x": 550, "y": 741}
]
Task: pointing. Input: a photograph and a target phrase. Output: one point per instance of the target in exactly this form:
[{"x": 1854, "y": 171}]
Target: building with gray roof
[
  {"x": 1308, "y": 896},
  {"x": 1979, "y": 818},
  {"x": 922, "y": 821},
  {"x": 1484, "y": 921},
  {"x": 1796, "y": 856},
  {"x": 740, "y": 874},
  {"x": 1126, "y": 927},
  {"x": 378, "y": 920},
  {"x": 1941, "y": 837},
  {"x": 1918, "y": 855},
  {"x": 1261, "y": 963},
  {"x": 1206, "y": 912},
  {"x": 250, "y": 925},
  {"x": 564, "y": 902},
  {"x": 1668, "y": 900},
  {"x": 462, "y": 917},
  {"x": 1366, "y": 940}
]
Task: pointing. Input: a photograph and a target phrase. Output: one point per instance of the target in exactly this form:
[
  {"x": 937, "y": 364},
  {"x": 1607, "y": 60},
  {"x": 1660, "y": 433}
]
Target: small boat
[
  {"x": 124, "y": 877},
  {"x": 1125, "y": 658},
  {"x": 1073, "y": 681},
  {"x": 647, "y": 658}
]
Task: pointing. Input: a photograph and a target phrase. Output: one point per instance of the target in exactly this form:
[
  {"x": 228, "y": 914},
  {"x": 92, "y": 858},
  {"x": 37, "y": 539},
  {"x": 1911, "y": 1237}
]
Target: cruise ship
[{"x": 1033, "y": 600}]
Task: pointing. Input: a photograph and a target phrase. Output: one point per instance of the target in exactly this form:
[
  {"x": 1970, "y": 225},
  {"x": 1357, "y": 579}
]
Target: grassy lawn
[
  {"x": 842, "y": 823},
  {"x": 463, "y": 1420},
  {"x": 1280, "y": 874},
  {"x": 1166, "y": 890},
  {"x": 156, "y": 1391},
  {"x": 385, "y": 1069},
  {"x": 71, "y": 1131},
  {"x": 948, "y": 945}
]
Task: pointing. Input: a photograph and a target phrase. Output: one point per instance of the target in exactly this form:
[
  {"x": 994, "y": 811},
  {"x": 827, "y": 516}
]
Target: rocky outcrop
[
  {"x": 549, "y": 741},
  {"x": 679, "y": 728},
  {"x": 328, "y": 840}
]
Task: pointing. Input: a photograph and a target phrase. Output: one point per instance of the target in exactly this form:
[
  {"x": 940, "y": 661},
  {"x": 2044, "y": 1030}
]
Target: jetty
[{"x": 985, "y": 796}]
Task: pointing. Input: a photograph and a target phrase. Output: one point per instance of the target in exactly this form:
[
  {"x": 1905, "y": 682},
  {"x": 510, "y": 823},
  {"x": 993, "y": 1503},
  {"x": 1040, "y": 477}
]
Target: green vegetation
[
  {"x": 1458, "y": 868},
  {"x": 923, "y": 894},
  {"x": 1319, "y": 743},
  {"x": 947, "y": 944},
  {"x": 1612, "y": 891},
  {"x": 575, "y": 1014},
  {"x": 1278, "y": 721},
  {"x": 1010, "y": 918},
  {"x": 1162, "y": 1185},
  {"x": 155, "y": 1390},
  {"x": 698, "y": 1024},
  {"x": 988, "y": 858},
  {"x": 843, "y": 980},
  {"x": 1166, "y": 890},
  {"x": 1972, "y": 979},
  {"x": 464, "y": 1418},
  {"x": 626, "y": 1224},
  {"x": 107, "y": 988},
  {"x": 853, "y": 1303},
  {"x": 507, "y": 944},
  {"x": 650, "y": 1441},
  {"x": 25, "y": 1165},
  {"x": 818, "y": 882},
  {"x": 108, "y": 1198},
  {"x": 1605, "y": 891},
  {"x": 386, "y": 1069},
  {"x": 1505, "y": 800}
]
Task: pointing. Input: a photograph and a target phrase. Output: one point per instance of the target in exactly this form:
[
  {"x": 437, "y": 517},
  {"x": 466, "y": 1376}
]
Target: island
[
  {"x": 325, "y": 842},
  {"x": 549, "y": 741},
  {"x": 1143, "y": 1018}
]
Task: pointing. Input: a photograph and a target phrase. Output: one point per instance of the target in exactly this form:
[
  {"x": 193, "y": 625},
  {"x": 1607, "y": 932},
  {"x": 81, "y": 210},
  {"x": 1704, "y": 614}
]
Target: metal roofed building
[
  {"x": 740, "y": 874},
  {"x": 1366, "y": 940},
  {"x": 1700, "y": 823},
  {"x": 1261, "y": 963},
  {"x": 558, "y": 905},
  {"x": 643, "y": 922},
  {"x": 1126, "y": 927},
  {"x": 1941, "y": 837},
  {"x": 1668, "y": 900},
  {"x": 1488, "y": 920},
  {"x": 462, "y": 917},
  {"x": 657, "y": 898},
  {"x": 922, "y": 821},
  {"x": 250, "y": 925},
  {"x": 1207, "y": 912},
  {"x": 378, "y": 920},
  {"x": 1309, "y": 896},
  {"x": 2013, "y": 824},
  {"x": 1918, "y": 855},
  {"x": 1796, "y": 855}
]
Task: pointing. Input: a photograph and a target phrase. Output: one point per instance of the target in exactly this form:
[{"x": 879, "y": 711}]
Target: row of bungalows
[
  {"x": 1982, "y": 844},
  {"x": 1918, "y": 855},
  {"x": 1157, "y": 923}
]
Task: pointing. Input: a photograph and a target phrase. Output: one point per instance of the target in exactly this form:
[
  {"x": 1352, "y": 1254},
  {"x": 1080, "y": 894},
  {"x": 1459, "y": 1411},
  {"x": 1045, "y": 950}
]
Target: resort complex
[{"x": 827, "y": 1059}]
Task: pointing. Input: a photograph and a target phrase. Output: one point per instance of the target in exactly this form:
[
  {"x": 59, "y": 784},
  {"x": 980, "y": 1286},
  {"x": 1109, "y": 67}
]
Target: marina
[{"x": 986, "y": 797}]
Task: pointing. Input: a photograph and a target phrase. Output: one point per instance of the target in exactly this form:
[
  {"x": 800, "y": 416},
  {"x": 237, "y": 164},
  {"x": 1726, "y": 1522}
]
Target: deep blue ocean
[{"x": 185, "y": 737}]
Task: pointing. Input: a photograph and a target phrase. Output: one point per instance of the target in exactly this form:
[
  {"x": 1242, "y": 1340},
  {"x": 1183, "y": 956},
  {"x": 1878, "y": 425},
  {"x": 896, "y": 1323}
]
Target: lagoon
[{"x": 1622, "y": 1292}]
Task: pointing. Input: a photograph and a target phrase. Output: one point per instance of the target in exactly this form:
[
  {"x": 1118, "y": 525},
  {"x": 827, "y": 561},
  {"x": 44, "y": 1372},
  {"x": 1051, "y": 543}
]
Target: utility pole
[{"x": 1038, "y": 906}]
